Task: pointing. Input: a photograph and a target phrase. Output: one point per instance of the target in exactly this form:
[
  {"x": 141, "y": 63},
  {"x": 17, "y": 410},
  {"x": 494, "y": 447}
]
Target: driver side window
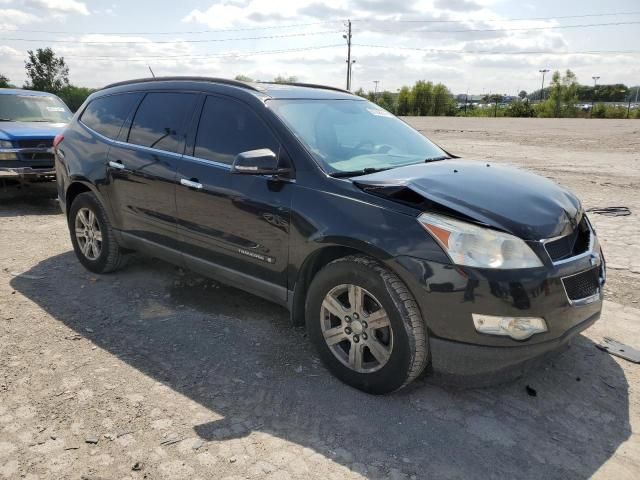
[{"x": 227, "y": 128}]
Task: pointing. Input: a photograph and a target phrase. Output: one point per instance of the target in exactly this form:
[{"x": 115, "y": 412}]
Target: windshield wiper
[
  {"x": 436, "y": 159},
  {"x": 355, "y": 173},
  {"x": 5, "y": 120}
]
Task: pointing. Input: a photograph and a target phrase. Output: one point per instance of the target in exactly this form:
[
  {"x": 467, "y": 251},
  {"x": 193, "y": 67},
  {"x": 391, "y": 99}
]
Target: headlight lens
[
  {"x": 6, "y": 155},
  {"x": 474, "y": 246}
]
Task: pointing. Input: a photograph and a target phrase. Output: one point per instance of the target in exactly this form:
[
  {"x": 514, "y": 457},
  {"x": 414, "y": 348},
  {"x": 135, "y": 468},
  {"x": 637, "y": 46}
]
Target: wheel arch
[
  {"x": 73, "y": 190},
  {"x": 318, "y": 259},
  {"x": 81, "y": 185}
]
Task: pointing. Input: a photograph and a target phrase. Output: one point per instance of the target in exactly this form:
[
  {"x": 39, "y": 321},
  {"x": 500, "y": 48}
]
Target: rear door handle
[
  {"x": 117, "y": 165},
  {"x": 191, "y": 183}
]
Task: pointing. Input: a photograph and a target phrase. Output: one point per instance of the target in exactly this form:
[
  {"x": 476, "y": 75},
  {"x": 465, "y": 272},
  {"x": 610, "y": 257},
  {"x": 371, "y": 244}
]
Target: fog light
[{"x": 518, "y": 328}]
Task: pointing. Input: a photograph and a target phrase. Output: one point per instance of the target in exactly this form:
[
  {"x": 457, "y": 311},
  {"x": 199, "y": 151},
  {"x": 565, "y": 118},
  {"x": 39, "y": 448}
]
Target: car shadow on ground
[
  {"x": 238, "y": 356},
  {"x": 28, "y": 199}
]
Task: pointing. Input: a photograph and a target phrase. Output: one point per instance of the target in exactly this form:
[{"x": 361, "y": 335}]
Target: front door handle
[
  {"x": 193, "y": 183},
  {"x": 118, "y": 165}
]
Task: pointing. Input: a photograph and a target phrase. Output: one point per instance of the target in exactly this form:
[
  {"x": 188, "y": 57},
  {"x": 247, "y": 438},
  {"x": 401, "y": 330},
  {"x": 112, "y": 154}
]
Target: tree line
[
  {"x": 563, "y": 98},
  {"x": 47, "y": 72}
]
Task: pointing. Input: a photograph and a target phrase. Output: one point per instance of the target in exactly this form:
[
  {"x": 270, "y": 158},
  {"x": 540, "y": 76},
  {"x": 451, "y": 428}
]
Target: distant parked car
[
  {"x": 29, "y": 121},
  {"x": 396, "y": 254}
]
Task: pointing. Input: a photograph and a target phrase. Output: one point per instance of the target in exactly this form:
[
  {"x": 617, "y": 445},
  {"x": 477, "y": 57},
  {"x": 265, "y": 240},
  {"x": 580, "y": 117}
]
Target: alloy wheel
[
  {"x": 356, "y": 328},
  {"x": 88, "y": 234}
]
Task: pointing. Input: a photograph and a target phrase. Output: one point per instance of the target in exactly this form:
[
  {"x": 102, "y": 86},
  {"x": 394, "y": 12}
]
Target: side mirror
[{"x": 256, "y": 162}]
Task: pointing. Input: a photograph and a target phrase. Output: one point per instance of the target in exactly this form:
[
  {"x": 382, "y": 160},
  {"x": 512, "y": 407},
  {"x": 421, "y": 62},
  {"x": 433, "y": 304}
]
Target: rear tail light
[{"x": 57, "y": 140}]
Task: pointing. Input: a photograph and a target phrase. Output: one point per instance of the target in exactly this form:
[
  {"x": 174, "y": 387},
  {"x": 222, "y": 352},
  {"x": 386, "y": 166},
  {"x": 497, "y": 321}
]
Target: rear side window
[
  {"x": 159, "y": 121},
  {"x": 228, "y": 128},
  {"x": 106, "y": 115}
]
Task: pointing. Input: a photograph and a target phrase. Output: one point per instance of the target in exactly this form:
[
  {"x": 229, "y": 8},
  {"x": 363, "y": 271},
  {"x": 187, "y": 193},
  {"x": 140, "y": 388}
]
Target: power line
[
  {"x": 494, "y": 52},
  {"x": 304, "y": 34},
  {"x": 522, "y": 29},
  {"x": 562, "y": 17},
  {"x": 192, "y": 32},
  {"x": 211, "y": 40},
  {"x": 293, "y": 25},
  {"x": 202, "y": 56}
]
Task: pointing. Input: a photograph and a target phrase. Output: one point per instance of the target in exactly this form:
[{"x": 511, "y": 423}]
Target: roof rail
[
  {"x": 225, "y": 81},
  {"x": 309, "y": 85}
]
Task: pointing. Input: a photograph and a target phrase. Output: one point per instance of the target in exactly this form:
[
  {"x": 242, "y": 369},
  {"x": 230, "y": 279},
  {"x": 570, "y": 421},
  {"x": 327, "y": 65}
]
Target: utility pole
[
  {"x": 466, "y": 101},
  {"x": 375, "y": 90},
  {"x": 544, "y": 71},
  {"x": 636, "y": 102},
  {"x": 348, "y": 38},
  {"x": 593, "y": 96}
]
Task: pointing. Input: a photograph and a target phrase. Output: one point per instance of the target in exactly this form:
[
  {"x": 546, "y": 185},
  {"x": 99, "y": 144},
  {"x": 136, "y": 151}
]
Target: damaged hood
[{"x": 507, "y": 198}]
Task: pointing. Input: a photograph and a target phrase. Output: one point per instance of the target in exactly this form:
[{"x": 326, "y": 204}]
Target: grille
[
  {"x": 37, "y": 143},
  {"x": 570, "y": 245},
  {"x": 582, "y": 285}
]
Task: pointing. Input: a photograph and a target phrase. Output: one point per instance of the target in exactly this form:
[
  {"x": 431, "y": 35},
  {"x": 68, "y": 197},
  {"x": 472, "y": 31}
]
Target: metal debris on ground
[
  {"x": 618, "y": 349},
  {"x": 611, "y": 211}
]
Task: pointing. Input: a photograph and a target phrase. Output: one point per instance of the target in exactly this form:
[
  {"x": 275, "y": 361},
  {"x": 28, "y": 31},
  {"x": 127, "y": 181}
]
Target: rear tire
[
  {"x": 92, "y": 236},
  {"x": 366, "y": 325}
]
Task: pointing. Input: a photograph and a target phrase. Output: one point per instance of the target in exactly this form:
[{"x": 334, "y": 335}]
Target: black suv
[{"x": 395, "y": 254}]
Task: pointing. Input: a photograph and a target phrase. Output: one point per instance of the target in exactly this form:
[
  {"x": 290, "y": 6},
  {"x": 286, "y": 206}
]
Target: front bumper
[
  {"x": 448, "y": 296},
  {"x": 478, "y": 365},
  {"x": 29, "y": 163},
  {"x": 28, "y": 173}
]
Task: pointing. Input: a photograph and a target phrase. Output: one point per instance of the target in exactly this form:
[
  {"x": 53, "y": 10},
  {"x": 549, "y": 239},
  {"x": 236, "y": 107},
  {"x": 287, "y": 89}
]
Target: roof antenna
[{"x": 152, "y": 74}]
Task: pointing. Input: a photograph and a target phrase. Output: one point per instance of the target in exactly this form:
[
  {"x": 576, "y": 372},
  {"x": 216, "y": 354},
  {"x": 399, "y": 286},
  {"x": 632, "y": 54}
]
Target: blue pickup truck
[{"x": 29, "y": 122}]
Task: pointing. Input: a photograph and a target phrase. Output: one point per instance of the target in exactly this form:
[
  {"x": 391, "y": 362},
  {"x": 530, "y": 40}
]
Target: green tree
[
  {"x": 522, "y": 94},
  {"x": 563, "y": 98},
  {"x": 405, "y": 106},
  {"x": 387, "y": 101},
  {"x": 74, "y": 96},
  {"x": 442, "y": 100},
  {"x": 422, "y": 98},
  {"x": 45, "y": 71},
  {"x": 4, "y": 81},
  {"x": 282, "y": 79},
  {"x": 520, "y": 108},
  {"x": 243, "y": 78},
  {"x": 360, "y": 93}
]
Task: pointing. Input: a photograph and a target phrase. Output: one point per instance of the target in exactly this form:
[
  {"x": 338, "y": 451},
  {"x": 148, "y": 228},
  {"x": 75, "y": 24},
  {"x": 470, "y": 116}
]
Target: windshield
[
  {"x": 354, "y": 135},
  {"x": 31, "y": 108}
]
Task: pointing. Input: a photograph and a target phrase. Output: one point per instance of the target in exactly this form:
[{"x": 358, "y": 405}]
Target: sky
[{"x": 480, "y": 46}]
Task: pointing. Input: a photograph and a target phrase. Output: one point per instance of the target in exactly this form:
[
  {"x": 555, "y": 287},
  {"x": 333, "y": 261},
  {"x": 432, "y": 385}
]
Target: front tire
[
  {"x": 92, "y": 236},
  {"x": 366, "y": 325}
]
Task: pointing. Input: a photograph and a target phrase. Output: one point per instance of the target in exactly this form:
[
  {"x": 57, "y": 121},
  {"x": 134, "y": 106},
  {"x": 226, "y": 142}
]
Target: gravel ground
[{"x": 157, "y": 373}]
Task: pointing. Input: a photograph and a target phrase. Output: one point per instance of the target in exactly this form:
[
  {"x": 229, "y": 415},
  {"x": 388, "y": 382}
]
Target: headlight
[
  {"x": 5, "y": 144},
  {"x": 474, "y": 246}
]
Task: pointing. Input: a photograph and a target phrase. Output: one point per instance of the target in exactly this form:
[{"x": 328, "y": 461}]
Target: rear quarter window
[
  {"x": 106, "y": 115},
  {"x": 159, "y": 121}
]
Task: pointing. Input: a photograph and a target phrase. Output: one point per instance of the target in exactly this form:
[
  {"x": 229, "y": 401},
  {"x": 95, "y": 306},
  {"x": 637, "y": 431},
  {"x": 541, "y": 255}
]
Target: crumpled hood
[
  {"x": 27, "y": 130},
  {"x": 507, "y": 198}
]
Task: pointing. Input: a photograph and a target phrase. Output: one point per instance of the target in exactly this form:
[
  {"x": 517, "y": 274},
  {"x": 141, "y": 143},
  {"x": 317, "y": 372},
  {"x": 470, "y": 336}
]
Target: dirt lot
[{"x": 157, "y": 373}]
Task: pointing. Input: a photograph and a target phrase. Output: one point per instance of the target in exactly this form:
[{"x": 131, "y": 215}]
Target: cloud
[
  {"x": 457, "y": 5},
  {"x": 384, "y": 6},
  {"x": 323, "y": 11},
  {"x": 11, "y": 19},
  {"x": 59, "y": 6}
]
